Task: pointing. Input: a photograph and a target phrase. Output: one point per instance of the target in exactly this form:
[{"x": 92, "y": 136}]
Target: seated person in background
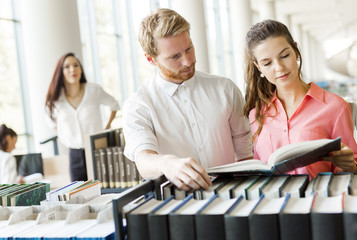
[
  {"x": 8, "y": 170},
  {"x": 283, "y": 109},
  {"x": 183, "y": 121}
]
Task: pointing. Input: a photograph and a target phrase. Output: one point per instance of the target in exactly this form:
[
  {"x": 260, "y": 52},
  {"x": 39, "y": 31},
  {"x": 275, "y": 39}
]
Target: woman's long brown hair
[
  {"x": 57, "y": 83},
  {"x": 259, "y": 91}
]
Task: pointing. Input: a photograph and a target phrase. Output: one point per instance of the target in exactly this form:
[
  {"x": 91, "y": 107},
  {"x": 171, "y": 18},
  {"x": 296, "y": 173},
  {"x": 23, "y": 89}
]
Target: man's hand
[{"x": 185, "y": 173}]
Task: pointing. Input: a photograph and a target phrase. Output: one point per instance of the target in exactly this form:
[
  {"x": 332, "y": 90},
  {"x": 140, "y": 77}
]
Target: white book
[
  {"x": 321, "y": 184},
  {"x": 218, "y": 206},
  {"x": 254, "y": 191},
  {"x": 298, "y": 205},
  {"x": 273, "y": 188},
  {"x": 54, "y": 195},
  {"x": 224, "y": 191},
  {"x": 269, "y": 206},
  {"x": 244, "y": 208},
  {"x": 101, "y": 230},
  {"x": 324, "y": 204},
  {"x": 339, "y": 184},
  {"x": 295, "y": 185},
  {"x": 240, "y": 189},
  {"x": 309, "y": 191},
  {"x": 353, "y": 186}
]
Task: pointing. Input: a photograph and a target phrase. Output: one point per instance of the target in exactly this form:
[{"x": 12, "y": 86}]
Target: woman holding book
[
  {"x": 73, "y": 107},
  {"x": 283, "y": 109},
  {"x": 8, "y": 170}
]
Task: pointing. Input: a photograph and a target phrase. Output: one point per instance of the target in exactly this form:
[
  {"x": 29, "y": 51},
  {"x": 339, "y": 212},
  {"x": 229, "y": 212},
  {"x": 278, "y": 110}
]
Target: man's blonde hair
[{"x": 160, "y": 24}]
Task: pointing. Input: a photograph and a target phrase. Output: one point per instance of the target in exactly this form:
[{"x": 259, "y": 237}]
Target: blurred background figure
[{"x": 73, "y": 108}]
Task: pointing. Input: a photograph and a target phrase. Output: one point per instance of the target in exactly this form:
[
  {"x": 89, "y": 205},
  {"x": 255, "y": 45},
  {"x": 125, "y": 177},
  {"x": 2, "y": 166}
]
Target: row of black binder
[
  {"x": 246, "y": 207},
  {"x": 314, "y": 217}
]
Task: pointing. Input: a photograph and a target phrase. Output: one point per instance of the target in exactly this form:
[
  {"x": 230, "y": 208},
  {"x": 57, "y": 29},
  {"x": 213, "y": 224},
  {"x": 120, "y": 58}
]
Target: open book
[{"x": 284, "y": 159}]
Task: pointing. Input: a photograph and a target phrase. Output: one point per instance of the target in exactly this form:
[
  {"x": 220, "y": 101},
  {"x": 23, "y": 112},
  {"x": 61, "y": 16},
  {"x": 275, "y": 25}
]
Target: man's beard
[{"x": 180, "y": 76}]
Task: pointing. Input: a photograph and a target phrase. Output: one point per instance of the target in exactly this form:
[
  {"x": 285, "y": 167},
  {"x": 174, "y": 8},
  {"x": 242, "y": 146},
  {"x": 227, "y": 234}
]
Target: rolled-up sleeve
[
  {"x": 241, "y": 131},
  {"x": 138, "y": 130}
]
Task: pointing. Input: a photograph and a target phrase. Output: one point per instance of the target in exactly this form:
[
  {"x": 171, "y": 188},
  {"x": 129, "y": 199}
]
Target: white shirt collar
[{"x": 171, "y": 87}]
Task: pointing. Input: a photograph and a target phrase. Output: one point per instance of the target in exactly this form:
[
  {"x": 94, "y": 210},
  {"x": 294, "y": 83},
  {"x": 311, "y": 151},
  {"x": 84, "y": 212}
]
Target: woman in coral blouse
[{"x": 283, "y": 109}]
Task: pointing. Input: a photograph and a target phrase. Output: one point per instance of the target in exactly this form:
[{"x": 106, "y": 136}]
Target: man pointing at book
[{"x": 183, "y": 121}]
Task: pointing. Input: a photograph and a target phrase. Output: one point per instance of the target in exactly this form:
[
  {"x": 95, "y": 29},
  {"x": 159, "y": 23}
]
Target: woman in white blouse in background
[
  {"x": 73, "y": 107},
  {"x": 8, "y": 171}
]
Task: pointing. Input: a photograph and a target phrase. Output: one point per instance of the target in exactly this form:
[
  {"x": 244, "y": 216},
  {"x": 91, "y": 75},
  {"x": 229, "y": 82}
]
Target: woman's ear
[{"x": 257, "y": 66}]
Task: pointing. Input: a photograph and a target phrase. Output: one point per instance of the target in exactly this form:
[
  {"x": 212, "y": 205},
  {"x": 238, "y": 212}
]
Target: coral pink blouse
[{"x": 321, "y": 114}]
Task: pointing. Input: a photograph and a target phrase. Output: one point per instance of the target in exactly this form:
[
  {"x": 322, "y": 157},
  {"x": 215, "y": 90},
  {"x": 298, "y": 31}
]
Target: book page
[
  {"x": 245, "y": 165},
  {"x": 294, "y": 149}
]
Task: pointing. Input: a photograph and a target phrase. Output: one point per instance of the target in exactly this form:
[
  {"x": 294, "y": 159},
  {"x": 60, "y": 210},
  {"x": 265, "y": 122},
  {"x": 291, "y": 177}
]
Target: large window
[
  {"x": 11, "y": 91},
  {"x": 112, "y": 54}
]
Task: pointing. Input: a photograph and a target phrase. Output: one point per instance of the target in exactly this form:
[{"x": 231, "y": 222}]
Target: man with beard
[{"x": 183, "y": 121}]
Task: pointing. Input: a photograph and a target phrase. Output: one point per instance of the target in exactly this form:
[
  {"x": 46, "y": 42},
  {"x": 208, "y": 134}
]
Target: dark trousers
[{"x": 77, "y": 165}]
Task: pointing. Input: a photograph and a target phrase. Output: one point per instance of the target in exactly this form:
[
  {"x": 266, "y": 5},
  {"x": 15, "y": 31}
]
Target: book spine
[
  {"x": 116, "y": 167},
  {"x": 104, "y": 167},
  {"x": 110, "y": 164},
  {"x": 98, "y": 166},
  {"x": 122, "y": 168},
  {"x": 129, "y": 171}
]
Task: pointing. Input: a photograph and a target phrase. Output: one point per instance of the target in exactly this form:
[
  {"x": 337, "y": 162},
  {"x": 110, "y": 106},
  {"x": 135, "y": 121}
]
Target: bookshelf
[{"x": 106, "y": 162}]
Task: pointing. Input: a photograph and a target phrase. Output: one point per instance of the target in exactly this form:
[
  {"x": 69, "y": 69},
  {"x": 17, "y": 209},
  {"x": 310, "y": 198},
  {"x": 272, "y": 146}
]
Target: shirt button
[
  {"x": 200, "y": 149},
  {"x": 284, "y": 130},
  {"x": 193, "y": 124},
  {"x": 185, "y": 101}
]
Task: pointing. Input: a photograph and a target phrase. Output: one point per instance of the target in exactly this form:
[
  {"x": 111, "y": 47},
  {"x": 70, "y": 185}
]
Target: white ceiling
[
  {"x": 322, "y": 19},
  {"x": 333, "y": 23}
]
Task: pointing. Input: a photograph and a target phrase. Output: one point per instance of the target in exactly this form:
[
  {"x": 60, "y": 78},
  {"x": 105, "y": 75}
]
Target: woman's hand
[{"x": 343, "y": 159}]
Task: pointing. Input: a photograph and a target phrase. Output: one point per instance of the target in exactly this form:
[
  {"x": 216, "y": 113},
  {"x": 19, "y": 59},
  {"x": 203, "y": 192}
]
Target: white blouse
[
  {"x": 73, "y": 125},
  {"x": 201, "y": 118},
  {"x": 8, "y": 170}
]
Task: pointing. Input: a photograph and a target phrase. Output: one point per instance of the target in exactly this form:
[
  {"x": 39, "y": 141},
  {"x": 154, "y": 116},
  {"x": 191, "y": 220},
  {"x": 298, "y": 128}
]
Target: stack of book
[
  {"x": 106, "y": 161},
  {"x": 75, "y": 191},
  {"x": 23, "y": 194},
  {"x": 114, "y": 170}
]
